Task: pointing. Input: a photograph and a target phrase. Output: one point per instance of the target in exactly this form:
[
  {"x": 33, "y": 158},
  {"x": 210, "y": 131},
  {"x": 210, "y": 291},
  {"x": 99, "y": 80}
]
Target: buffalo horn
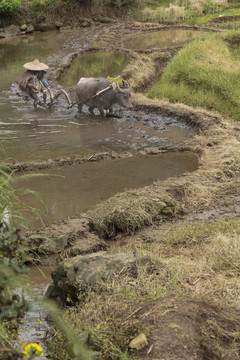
[{"x": 122, "y": 90}]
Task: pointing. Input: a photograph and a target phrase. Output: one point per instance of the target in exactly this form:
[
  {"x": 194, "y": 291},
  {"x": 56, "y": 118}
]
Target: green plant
[
  {"x": 9, "y": 6},
  {"x": 15, "y": 214},
  {"x": 203, "y": 74},
  {"x": 37, "y": 5},
  {"x": 121, "y": 3}
]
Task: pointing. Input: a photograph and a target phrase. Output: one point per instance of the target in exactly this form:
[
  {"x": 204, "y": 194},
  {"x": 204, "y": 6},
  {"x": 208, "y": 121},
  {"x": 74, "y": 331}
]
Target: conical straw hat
[{"x": 35, "y": 65}]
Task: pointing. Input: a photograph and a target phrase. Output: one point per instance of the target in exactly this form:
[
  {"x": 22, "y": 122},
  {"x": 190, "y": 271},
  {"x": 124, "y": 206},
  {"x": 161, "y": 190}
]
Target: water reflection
[
  {"x": 34, "y": 326},
  {"x": 163, "y": 38},
  {"x": 85, "y": 185},
  {"x": 103, "y": 64}
]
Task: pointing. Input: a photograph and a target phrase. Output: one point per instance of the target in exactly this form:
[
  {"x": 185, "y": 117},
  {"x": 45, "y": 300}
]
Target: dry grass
[
  {"x": 132, "y": 71},
  {"x": 183, "y": 9},
  {"x": 203, "y": 257},
  {"x": 130, "y": 211},
  {"x": 205, "y": 268},
  {"x": 173, "y": 14},
  {"x": 200, "y": 6}
]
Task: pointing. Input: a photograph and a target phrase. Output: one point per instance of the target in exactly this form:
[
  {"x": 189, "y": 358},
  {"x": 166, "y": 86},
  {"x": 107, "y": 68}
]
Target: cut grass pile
[
  {"x": 203, "y": 74},
  {"x": 130, "y": 211}
]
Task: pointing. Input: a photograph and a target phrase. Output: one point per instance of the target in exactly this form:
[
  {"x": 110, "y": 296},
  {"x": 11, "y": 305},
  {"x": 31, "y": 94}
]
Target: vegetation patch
[
  {"x": 183, "y": 10},
  {"x": 203, "y": 74},
  {"x": 130, "y": 211},
  {"x": 185, "y": 301}
]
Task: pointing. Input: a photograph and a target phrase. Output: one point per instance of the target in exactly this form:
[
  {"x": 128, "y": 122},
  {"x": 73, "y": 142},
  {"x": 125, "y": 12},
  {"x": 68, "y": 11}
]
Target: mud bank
[
  {"x": 72, "y": 160},
  {"x": 216, "y": 144}
]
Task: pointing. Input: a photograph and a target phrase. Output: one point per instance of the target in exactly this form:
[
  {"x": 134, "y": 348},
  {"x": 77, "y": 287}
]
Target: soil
[
  {"x": 224, "y": 18},
  {"x": 185, "y": 328}
]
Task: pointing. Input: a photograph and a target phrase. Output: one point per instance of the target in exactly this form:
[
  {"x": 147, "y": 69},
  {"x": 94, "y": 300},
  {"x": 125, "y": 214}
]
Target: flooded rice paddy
[
  {"x": 44, "y": 133},
  {"x": 104, "y": 64},
  {"x": 158, "y": 39},
  {"x": 77, "y": 188}
]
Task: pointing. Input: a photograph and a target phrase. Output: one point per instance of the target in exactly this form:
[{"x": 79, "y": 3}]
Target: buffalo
[{"x": 102, "y": 94}]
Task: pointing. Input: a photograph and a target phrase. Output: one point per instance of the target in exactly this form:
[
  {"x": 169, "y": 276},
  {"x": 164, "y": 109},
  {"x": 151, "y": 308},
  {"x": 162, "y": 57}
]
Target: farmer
[{"x": 32, "y": 81}]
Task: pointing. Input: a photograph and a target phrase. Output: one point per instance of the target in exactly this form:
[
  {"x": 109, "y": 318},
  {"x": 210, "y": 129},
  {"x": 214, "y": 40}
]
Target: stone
[
  {"x": 59, "y": 24},
  {"x": 23, "y": 27},
  {"x": 65, "y": 27},
  {"x": 85, "y": 24},
  {"x": 67, "y": 238},
  {"x": 30, "y": 29},
  {"x": 73, "y": 277},
  {"x": 86, "y": 20},
  {"x": 11, "y": 30},
  {"x": 45, "y": 27},
  {"x": 104, "y": 20},
  {"x": 138, "y": 342},
  {"x": 53, "y": 246}
]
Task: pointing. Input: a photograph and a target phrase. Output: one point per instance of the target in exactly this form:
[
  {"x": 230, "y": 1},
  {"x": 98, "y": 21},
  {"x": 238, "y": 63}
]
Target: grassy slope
[{"x": 203, "y": 74}]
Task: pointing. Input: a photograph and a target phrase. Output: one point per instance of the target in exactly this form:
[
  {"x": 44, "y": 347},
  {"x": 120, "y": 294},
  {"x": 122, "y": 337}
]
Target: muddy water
[
  {"x": 49, "y": 133},
  {"x": 34, "y": 326},
  {"x": 85, "y": 185},
  {"x": 157, "y": 39},
  {"x": 103, "y": 64}
]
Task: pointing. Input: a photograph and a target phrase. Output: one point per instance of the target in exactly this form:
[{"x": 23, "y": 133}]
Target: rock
[
  {"x": 45, "y": 27},
  {"x": 87, "y": 244},
  {"x": 86, "y": 20},
  {"x": 104, "y": 20},
  {"x": 23, "y": 27},
  {"x": 59, "y": 24},
  {"x": 30, "y": 29},
  {"x": 85, "y": 24},
  {"x": 68, "y": 238},
  {"x": 138, "y": 342},
  {"x": 53, "y": 246},
  {"x": 11, "y": 30},
  {"x": 65, "y": 27},
  {"x": 74, "y": 276}
]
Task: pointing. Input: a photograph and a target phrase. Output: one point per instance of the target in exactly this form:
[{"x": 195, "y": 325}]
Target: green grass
[
  {"x": 156, "y": 3},
  {"x": 203, "y": 19},
  {"x": 204, "y": 74}
]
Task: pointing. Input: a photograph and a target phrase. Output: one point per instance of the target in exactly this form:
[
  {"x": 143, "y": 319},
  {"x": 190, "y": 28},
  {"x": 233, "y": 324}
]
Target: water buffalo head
[{"x": 123, "y": 95}]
